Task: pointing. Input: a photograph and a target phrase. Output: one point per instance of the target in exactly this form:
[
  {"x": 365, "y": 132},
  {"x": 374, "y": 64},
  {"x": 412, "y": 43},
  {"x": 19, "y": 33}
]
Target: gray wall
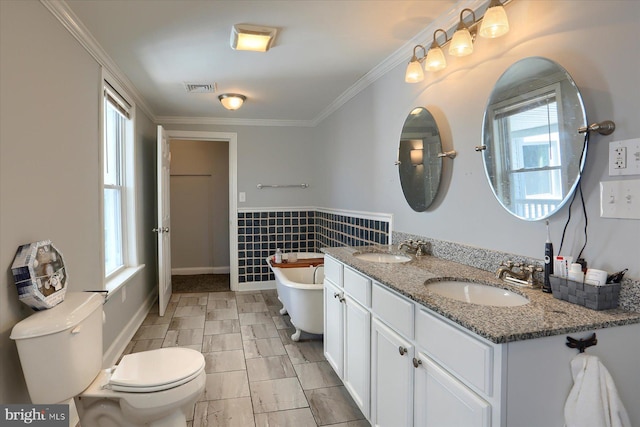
[
  {"x": 199, "y": 204},
  {"x": 359, "y": 142},
  {"x": 273, "y": 155},
  {"x": 49, "y": 170}
]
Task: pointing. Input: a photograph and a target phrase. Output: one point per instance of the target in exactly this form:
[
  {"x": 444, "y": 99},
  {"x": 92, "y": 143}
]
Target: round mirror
[
  {"x": 419, "y": 165},
  {"x": 533, "y": 153}
]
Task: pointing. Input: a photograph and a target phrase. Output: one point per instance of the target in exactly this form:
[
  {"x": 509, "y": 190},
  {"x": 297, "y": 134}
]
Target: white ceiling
[{"x": 324, "y": 49}]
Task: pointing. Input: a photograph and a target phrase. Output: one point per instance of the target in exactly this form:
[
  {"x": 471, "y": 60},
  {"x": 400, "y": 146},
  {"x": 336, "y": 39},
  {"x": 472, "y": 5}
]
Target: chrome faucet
[
  {"x": 522, "y": 277},
  {"x": 419, "y": 247}
]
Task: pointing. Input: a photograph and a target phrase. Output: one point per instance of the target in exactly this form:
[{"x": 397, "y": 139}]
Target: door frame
[{"x": 232, "y": 139}]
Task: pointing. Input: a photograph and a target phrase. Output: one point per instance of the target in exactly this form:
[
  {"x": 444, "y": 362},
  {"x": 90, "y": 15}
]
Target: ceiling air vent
[{"x": 200, "y": 87}]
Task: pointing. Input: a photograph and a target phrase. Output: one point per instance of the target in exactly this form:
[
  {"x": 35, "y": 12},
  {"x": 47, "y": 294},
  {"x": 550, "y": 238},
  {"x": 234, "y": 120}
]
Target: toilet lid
[{"x": 156, "y": 370}]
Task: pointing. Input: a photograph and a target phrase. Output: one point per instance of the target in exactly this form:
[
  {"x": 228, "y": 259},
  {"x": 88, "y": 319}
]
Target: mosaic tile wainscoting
[{"x": 260, "y": 232}]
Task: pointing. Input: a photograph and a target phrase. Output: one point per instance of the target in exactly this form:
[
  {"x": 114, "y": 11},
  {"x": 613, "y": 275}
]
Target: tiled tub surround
[
  {"x": 489, "y": 260},
  {"x": 260, "y": 232},
  {"x": 543, "y": 316}
]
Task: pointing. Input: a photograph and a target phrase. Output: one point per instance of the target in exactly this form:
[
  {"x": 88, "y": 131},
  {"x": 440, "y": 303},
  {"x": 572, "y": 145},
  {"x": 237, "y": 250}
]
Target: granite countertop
[{"x": 543, "y": 316}]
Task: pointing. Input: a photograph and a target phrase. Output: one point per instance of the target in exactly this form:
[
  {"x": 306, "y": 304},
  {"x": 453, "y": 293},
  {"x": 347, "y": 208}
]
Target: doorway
[{"x": 197, "y": 189}]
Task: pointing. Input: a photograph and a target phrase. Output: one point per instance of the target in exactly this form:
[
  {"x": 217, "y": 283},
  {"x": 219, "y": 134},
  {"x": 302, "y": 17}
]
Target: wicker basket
[{"x": 602, "y": 297}]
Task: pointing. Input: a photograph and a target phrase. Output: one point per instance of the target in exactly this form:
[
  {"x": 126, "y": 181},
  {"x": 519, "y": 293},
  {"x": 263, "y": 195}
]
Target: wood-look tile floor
[{"x": 256, "y": 375}]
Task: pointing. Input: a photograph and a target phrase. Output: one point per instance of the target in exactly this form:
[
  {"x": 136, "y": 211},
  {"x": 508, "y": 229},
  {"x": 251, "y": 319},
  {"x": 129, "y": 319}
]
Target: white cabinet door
[
  {"x": 443, "y": 401},
  {"x": 391, "y": 378},
  {"x": 334, "y": 326},
  {"x": 357, "y": 353}
]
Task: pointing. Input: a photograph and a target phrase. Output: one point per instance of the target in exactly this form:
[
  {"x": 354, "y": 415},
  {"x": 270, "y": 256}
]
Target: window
[{"x": 118, "y": 184}]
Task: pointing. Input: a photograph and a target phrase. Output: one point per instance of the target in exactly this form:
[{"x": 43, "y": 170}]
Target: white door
[
  {"x": 164, "y": 238},
  {"x": 357, "y": 353},
  {"x": 391, "y": 378},
  {"x": 442, "y": 400}
]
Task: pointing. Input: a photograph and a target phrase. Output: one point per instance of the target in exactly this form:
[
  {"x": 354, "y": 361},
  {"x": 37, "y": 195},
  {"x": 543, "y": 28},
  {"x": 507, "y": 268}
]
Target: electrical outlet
[
  {"x": 624, "y": 157},
  {"x": 620, "y": 158}
]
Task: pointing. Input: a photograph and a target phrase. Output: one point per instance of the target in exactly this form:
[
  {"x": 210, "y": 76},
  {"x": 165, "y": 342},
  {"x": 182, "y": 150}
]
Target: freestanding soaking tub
[{"x": 300, "y": 291}]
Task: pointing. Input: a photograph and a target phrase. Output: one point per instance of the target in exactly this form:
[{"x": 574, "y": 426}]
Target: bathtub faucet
[{"x": 315, "y": 270}]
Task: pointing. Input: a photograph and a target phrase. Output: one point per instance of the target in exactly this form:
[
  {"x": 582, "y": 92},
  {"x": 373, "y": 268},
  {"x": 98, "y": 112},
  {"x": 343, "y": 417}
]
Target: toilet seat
[{"x": 156, "y": 370}]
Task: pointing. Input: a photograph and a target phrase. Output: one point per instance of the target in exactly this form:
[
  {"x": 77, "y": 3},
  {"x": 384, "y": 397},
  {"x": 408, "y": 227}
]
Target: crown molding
[
  {"x": 179, "y": 120},
  {"x": 74, "y": 25},
  {"x": 401, "y": 55}
]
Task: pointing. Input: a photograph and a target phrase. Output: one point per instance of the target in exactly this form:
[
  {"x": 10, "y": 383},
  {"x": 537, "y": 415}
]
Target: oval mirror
[
  {"x": 419, "y": 166},
  {"x": 533, "y": 154}
]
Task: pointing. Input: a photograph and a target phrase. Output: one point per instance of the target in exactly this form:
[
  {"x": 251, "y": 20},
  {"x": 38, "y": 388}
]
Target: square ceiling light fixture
[{"x": 252, "y": 37}]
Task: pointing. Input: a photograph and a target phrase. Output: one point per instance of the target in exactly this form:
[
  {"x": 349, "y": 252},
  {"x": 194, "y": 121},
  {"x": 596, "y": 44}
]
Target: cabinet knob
[
  {"x": 402, "y": 350},
  {"x": 336, "y": 294},
  {"x": 416, "y": 362}
]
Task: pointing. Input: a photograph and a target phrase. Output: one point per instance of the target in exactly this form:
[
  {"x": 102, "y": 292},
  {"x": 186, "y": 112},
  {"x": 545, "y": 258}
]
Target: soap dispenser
[{"x": 278, "y": 256}]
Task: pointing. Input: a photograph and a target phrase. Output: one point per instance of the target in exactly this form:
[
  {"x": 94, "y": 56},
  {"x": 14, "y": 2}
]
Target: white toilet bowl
[
  {"x": 60, "y": 352},
  {"x": 154, "y": 388}
]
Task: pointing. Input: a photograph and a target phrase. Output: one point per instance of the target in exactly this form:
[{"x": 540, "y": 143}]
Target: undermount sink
[
  {"x": 382, "y": 257},
  {"x": 476, "y": 293}
]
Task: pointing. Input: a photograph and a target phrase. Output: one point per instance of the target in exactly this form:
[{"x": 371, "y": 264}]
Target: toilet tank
[{"x": 60, "y": 349}]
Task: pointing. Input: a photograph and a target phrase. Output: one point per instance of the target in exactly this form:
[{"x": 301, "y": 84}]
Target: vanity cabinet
[
  {"x": 347, "y": 338},
  {"x": 333, "y": 326},
  {"x": 379, "y": 344},
  {"x": 391, "y": 377},
  {"x": 424, "y": 370},
  {"x": 441, "y": 400}
]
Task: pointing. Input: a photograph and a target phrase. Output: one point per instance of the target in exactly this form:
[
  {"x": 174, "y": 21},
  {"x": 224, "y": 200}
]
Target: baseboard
[
  {"x": 116, "y": 348},
  {"x": 255, "y": 286},
  {"x": 199, "y": 270}
]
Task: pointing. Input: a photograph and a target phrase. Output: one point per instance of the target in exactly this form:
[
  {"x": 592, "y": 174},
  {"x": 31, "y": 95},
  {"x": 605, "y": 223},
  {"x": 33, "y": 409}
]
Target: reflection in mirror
[
  {"x": 419, "y": 166},
  {"x": 534, "y": 154}
]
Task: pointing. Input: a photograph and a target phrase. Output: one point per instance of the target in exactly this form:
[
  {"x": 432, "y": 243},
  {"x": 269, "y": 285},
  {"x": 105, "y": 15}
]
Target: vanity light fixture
[
  {"x": 462, "y": 40},
  {"x": 232, "y": 101},
  {"x": 414, "y": 72},
  {"x": 435, "y": 57},
  {"x": 252, "y": 37},
  {"x": 493, "y": 23}
]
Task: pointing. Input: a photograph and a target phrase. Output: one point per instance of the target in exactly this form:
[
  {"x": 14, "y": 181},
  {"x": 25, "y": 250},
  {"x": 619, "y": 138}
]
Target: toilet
[{"x": 60, "y": 351}]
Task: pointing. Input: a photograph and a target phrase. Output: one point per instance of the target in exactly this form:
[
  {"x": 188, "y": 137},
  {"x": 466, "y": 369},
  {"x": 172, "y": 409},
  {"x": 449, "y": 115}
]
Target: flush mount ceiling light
[
  {"x": 252, "y": 37},
  {"x": 494, "y": 24},
  {"x": 232, "y": 101}
]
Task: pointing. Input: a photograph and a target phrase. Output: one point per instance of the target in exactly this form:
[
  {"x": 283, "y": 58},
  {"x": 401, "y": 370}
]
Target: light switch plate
[
  {"x": 620, "y": 199},
  {"x": 624, "y": 157}
]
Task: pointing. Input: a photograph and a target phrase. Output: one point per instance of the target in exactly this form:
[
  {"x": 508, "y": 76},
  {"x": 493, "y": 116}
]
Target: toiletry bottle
[
  {"x": 575, "y": 273},
  {"x": 278, "y": 256},
  {"x": 548, "y": 262}
]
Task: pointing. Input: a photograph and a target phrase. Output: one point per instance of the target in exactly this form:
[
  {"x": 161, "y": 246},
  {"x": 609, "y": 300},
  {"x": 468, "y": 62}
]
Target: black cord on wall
[{"x": 584, "y": 207}]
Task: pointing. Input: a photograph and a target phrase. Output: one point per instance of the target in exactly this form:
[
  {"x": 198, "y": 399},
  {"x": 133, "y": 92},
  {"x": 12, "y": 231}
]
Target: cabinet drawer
[
  {"x": 358, "y": 286},
  {"x": 464, "y": 355},
  {"x": 394, "y": 310},
  {"x": 333, "y": 270}
]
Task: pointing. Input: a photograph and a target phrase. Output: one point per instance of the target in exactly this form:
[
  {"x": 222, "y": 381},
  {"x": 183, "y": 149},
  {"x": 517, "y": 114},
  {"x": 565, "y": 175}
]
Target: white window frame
[{"x": 130, "y": 267}]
